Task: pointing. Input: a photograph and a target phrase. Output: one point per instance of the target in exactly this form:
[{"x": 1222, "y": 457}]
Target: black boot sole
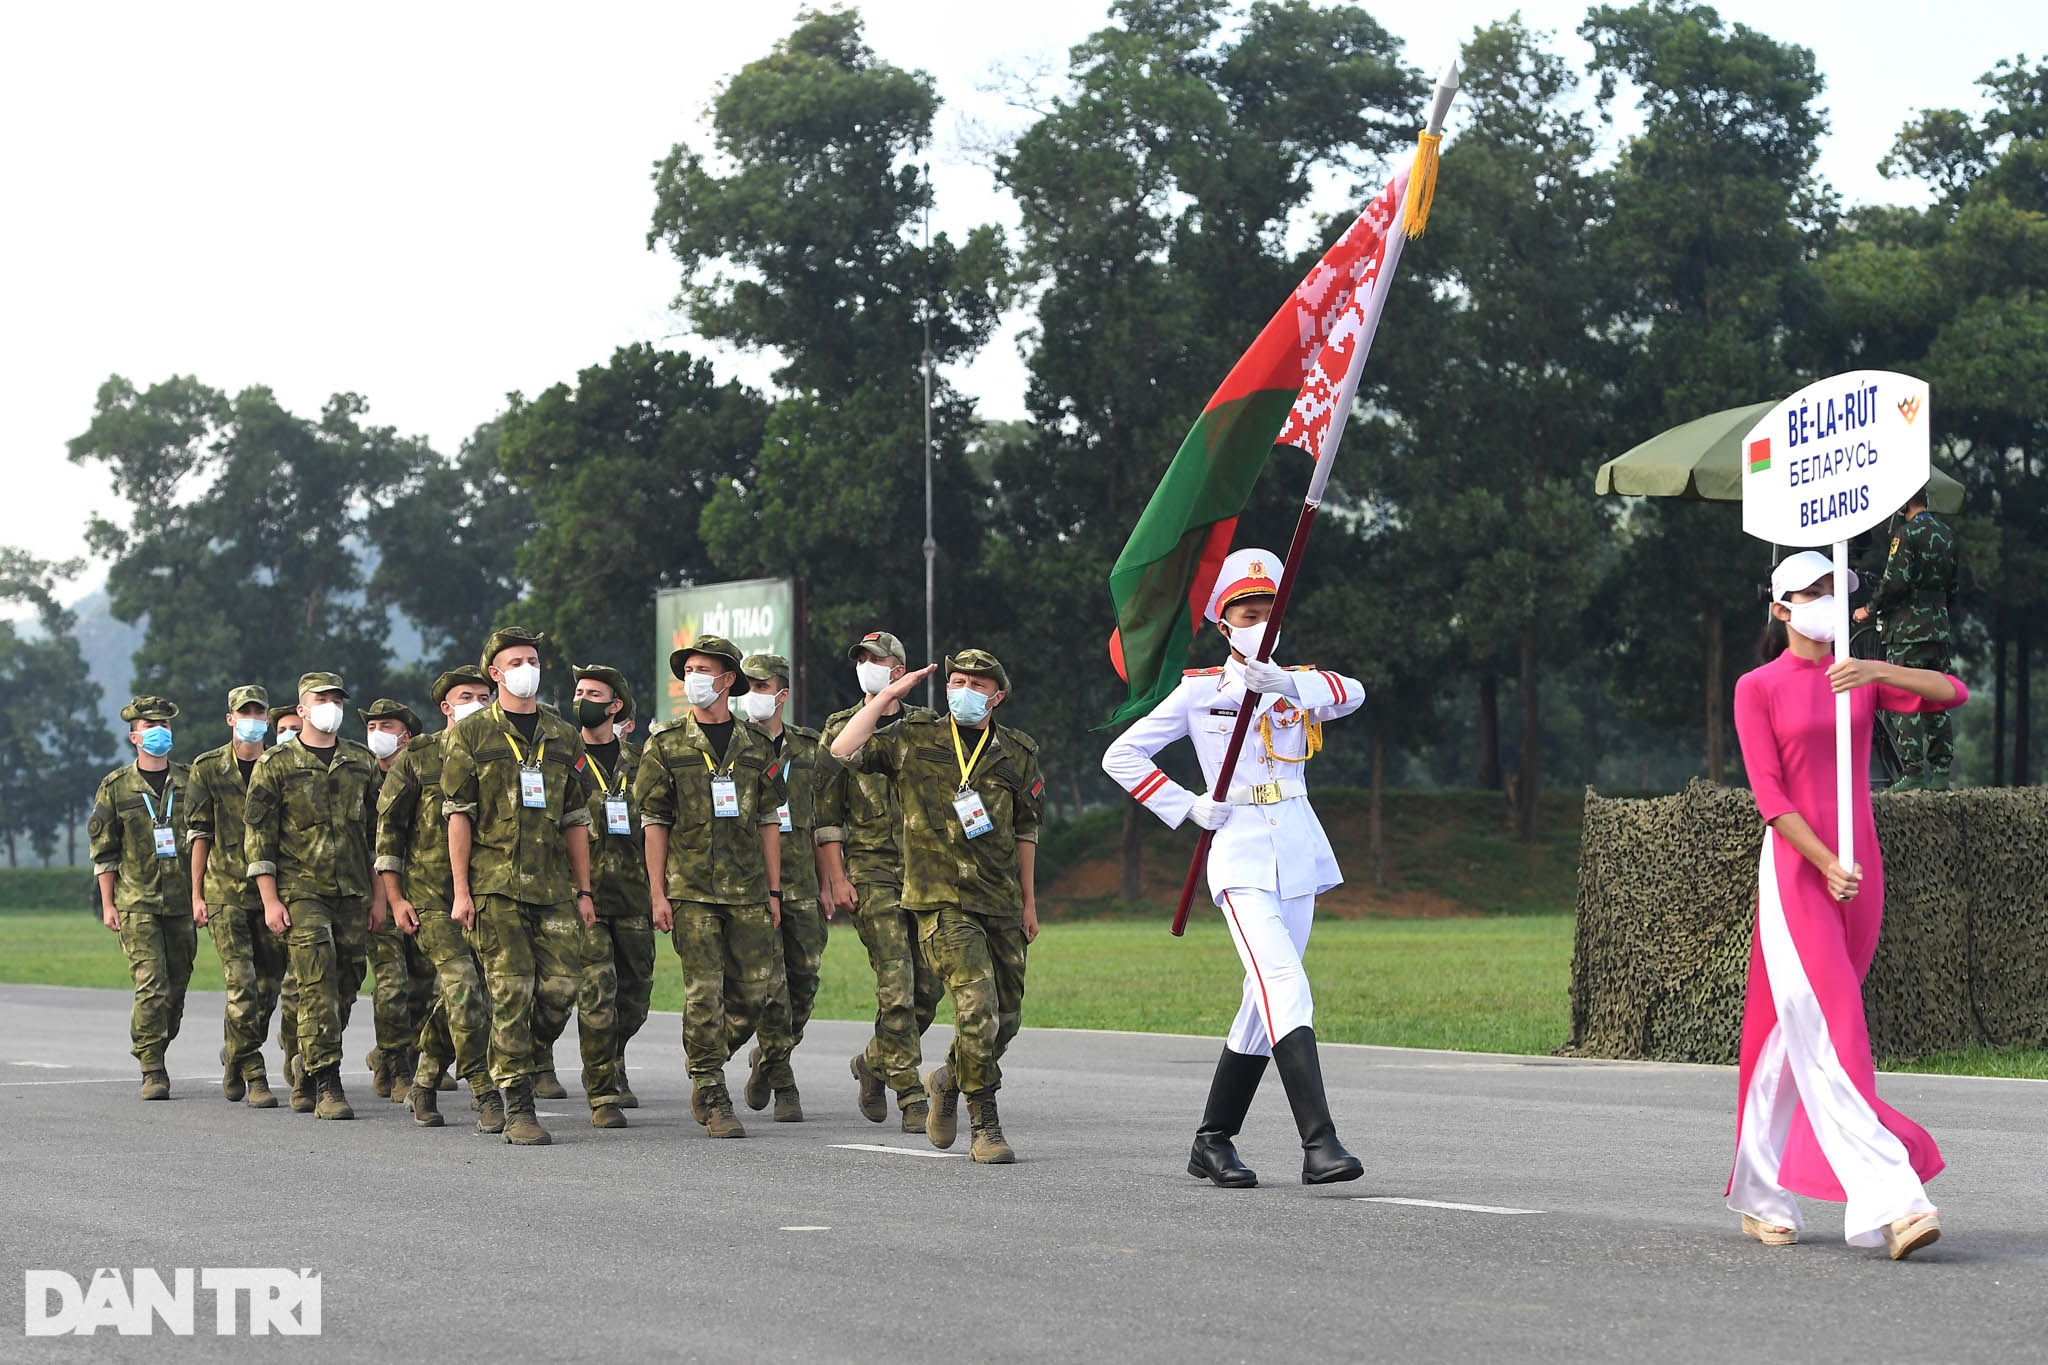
[
  {"x": 1333, "y": 1177},
  {"x": 1221, "y": 1179}
]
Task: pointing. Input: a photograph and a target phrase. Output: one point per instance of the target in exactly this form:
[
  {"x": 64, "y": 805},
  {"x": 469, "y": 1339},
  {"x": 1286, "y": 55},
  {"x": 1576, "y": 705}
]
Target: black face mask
[{"x": 591, "y": 714}]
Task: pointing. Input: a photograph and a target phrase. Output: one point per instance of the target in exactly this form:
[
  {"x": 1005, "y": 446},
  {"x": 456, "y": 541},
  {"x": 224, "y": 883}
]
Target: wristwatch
[
  {"x": 581, "y": 894},
  {"x": 776, "y": 892}
]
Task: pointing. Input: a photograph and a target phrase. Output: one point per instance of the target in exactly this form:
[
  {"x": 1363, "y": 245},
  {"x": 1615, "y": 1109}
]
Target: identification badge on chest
[
  {"x": 615, "y": 821},
  {"x": 725, "y": 798},
  {"x": 166, "y": 842},
  {"x": 533, "y": 789},
  {"x": 974, "y": 821},
  {"x": 782, "y": 814}
]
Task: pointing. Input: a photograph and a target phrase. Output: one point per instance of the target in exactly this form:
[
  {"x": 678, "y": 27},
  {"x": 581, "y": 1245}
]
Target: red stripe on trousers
[{"x": 1257, "y": 975}]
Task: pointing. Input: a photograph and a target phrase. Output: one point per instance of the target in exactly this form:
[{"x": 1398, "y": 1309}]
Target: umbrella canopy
[{"x": 1703, "y": 460}]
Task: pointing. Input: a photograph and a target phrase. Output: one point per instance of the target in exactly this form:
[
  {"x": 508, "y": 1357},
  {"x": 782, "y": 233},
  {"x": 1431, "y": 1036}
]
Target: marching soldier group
[{"x": 513, "y": 865}]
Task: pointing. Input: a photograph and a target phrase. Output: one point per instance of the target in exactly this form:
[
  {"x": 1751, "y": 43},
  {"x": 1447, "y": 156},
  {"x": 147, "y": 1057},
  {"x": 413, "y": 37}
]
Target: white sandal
[
  {"x": 1770, "y": 1234},
  {"x": 1904, "y": 1236}
]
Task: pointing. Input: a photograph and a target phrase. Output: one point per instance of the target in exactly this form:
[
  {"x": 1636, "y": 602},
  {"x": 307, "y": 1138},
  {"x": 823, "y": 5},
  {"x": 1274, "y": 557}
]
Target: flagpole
[{"x": 1312, "y": 501}]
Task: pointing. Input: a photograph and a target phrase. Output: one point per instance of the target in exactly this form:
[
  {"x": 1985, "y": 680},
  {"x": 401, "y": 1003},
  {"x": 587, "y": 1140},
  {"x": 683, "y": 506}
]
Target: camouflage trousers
[
  {"x": 401, "y": 987},
  {"x": 329, "y": 944},
  {"x": 799, "y": 953},
  {"x": 252, "y": 966},
  {"x": 632, "y": 942},
  {"x": 160, "y": 951},
  {"x": 353, "y": 949},
  {"x": 456, "y": 1031},
  {"x": 1925, "y": 739},
  {"x": 590, "y": 987},
  {"x": 907, "y": 988},
  {"x": 517, "y": 957},
  {"x": 732, "y": 964},
  {"x": 981, "y": 958}
]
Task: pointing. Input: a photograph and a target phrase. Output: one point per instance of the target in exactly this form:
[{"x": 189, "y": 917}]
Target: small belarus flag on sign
[{"x": 1759, "y": 456}]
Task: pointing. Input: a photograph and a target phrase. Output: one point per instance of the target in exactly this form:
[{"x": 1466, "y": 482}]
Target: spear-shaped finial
[{"x": 1422, "y": 177}]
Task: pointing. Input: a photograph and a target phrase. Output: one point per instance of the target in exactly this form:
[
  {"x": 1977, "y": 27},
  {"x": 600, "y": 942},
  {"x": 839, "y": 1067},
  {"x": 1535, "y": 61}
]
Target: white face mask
[
  {"x": 288, "y": 737},
  {"x": 1816, "y": 619},
  {"x": 464, "y": 711},
  {"x": 325, "y": 717},
  {"x": 1247, "y": 640},
  {"x": 873, "y": 677},
  {"x": 701, "y": 689},
  {"x": 523, "y": 680},
  {"x": 757, "y": 706},
  {"x": 383, "y": 743}
]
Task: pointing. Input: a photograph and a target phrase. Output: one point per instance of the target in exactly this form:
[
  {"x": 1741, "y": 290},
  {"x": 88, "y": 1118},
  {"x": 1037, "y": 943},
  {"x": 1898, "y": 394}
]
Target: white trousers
[
  {"x": 1271, "y": 934},
  {"x": 1798, "y": 1062}
]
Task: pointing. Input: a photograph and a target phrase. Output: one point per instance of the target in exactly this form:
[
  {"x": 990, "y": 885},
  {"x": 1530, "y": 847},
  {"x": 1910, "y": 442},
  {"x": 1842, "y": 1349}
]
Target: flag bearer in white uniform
[{"x": 1269, "y": 862}]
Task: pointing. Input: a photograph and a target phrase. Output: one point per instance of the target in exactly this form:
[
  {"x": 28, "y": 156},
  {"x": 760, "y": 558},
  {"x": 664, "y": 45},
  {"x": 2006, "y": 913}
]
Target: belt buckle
[{"x": 1265, "y": 793}]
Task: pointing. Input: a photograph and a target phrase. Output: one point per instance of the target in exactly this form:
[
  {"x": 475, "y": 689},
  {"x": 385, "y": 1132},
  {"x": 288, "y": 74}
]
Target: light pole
[{"x": 931, "y": 544}]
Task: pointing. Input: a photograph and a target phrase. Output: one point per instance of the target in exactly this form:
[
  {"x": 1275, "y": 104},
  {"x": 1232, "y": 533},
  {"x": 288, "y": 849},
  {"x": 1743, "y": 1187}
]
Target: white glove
[
  {"x": 1270, "y": 677},
  {"x": 1209, "y": 814}
]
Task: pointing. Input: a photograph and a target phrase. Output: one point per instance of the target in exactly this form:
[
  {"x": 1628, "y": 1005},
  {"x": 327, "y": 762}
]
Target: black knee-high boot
[
  {"x": 1230, "y": 1099},
  {"x": 1323, "y": 1158}
]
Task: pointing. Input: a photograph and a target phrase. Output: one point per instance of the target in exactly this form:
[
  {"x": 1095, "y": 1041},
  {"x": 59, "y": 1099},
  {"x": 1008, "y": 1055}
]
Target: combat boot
[
  {"x": 1214, "y": 1156},
  {"x": 1323, "y": 1159},
  {"x": 700, "y": 1107},
  {"x": 522, "y": 1129},
  {"x": 156, "y": 1085},
  {"x": 332, "y": 1104},
  {"x": 402, "y": 1068},
  {"x": 293, "y": 1067},
  {"x": 426, "y": 1107},
  {"x": 874, "y": 1096},
  {"x": 789, "y": 1106},
  {"x": 720, "y": 1120},
  {"x": 444, "y": 1081},
  {"x": 232, "y": 1086},
  {"x": 490, "y": 1107},
  {"x": 915, "y": 1116},
  {"x": 547, "y": 1086},
  {"x": 303, "y": 1097},
  {"x": 259, "y": 1096},
  {"x": 757, "y": 1091},
  {"x": 627, "y": 1099},
  {"x": 607, "y": 1116},
  {"x": 942, "y": 1119},
  {"x": 380, "y": 1073},
  {"x": 987, "y": 1145}
]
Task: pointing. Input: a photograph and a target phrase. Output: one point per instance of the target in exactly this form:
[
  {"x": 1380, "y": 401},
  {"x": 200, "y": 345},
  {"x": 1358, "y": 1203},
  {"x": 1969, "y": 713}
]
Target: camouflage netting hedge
[{"x": 1667, "y": 905}]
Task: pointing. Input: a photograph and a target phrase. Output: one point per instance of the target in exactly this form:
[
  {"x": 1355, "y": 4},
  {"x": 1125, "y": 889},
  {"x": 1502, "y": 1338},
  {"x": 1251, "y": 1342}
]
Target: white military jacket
[{"x": 1278, "y": 847}]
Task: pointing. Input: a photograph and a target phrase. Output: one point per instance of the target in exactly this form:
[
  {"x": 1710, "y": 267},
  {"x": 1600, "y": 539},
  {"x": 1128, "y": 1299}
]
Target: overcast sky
[{"x": 434, "y": 205}]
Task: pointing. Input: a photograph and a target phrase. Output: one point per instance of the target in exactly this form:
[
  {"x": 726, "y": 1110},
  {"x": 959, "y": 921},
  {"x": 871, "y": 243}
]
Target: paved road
[{"x": 657, "y": 1242}]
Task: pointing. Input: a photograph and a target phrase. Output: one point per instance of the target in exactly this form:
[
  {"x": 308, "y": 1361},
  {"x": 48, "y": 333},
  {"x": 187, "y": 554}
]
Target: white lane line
[
  {"x": 109, "y": 1080},
  {"x": 44, "y": 1066},
  {"x": 806, "y": 1227},
  {"x": 893, "y": 1151},
  {"x": 1438, "y": 1204}
]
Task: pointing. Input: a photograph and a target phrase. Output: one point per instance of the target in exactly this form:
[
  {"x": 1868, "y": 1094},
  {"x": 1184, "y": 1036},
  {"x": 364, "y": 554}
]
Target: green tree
[{"x": 53, "y": 748}]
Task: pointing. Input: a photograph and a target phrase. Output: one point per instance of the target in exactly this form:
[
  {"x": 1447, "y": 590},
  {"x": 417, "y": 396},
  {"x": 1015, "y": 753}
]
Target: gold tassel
[{"x": 1421, "y": 184}]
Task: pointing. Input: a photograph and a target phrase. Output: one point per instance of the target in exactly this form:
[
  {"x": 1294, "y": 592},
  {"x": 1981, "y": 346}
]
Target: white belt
[{"x": 1267, "y": 793}]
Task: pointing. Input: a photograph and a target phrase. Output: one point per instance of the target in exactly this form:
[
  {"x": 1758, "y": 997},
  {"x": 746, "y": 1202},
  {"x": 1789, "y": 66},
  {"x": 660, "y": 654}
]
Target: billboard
[{"x": 754, "y": 613}]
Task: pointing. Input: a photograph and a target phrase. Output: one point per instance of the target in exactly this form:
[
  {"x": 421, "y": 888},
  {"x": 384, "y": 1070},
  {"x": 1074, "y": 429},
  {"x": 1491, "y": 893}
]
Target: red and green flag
[{"x": 1162, "y": 580}]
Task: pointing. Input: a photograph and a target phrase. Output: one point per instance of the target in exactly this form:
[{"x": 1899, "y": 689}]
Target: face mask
[
  {"x": 873, "y": 677},
  {"x": 701, "y": 689},
  {"x": 156, "y": 741},
  {"x": 383, "y": 743},
  {"x": 464, "y": 711},
  {"x": 523, "y": 680},
  {"x": 287, "y": 737},
  {"x": 325, "y": 717},
  {"x": 1816, "y": 619},
  {"x": 251, "y": 729},
  {"x": 968, "y": 706},
  {"x": 1248, "y": 640},
  {"x": 591, "y": 714},
  {"x": 757, "y": 706}
]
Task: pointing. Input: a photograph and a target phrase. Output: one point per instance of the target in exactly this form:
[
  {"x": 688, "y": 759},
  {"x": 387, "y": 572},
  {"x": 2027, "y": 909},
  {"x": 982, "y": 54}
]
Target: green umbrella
[{"x": 1703, "y": 460}]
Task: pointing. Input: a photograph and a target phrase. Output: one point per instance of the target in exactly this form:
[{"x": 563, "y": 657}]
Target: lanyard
[
  {"x": 960, "y": 754},
  {"x": 705, "y": 754},
  {"x": 170, "y": 799},
  {"x": 539, "y": 750},
  {"x": 604, "y": 787}
]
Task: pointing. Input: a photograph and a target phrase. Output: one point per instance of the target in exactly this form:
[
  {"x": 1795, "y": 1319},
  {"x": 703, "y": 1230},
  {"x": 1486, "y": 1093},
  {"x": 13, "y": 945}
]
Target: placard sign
[{"x": 1836, "y": 458}]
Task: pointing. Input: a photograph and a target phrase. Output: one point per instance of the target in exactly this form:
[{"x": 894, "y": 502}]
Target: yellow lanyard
[
  {"x": 597, "y": 771},
  {"x": 960, "y": 754},
  {"x": 539, "y": 752}
]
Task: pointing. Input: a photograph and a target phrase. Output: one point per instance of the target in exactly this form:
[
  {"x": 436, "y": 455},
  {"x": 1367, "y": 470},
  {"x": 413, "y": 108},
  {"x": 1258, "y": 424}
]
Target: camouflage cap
[
  {"x": 455, "y": 677},
  {"x": 982, "y": 664},
  {"x": 150, "y": 708},
  {"x": 765, "y": 666},
  {"x": 717, "y": 647},
  {"x": 278, "y": 713},
  {"x": 384, "y": 708},
  {"x": 878, "y": 642},
  {"x": 610, "y": 677},
  {"x": 249, "y": 692},
  {"x": 321, "y": 682},
  {"x": 503, "y": 638}
]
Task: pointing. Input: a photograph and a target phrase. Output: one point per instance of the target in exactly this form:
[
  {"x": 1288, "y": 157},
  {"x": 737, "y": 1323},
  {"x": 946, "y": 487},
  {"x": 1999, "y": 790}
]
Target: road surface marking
[
  {"x": 106, "y": 1080},
  {"x": 44, "y": 1066},
  {"x": 893, "y": 1151},
  {"x": 1438, "y": 1204},
  {"x": 806, "y": 1227}
]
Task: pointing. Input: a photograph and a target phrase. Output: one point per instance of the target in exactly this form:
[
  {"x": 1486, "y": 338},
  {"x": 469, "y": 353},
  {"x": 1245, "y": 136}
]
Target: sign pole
[{"x": 1845, "y": 815}]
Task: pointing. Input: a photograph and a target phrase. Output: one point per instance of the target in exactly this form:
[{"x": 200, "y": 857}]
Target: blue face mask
[
  {"x": 251, "y": 729},
  {"x": 156, "y": 741},
  {"x": 968, "y": 706}
]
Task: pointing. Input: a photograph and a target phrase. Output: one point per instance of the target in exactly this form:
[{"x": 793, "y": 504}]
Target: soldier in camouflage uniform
[
  {"x": 251, "y": 957},
  {"x": 515, "y": 787},
  {"x": 971, "y": 794},
  {"x": 312, "y": 819},
  {"x": 136, "y": 834},
  {"x": 802, "y": 931},
  {"x": 857, "y": 818},
  {"x": 708, "y": 794},
  {"x": 1913, "y": 602},
  {"x": 412, "y": 862},
  {"x": 621, "y": 969},
  {"x": 401, "y": 977},
  {"x": 285, "y": 724}
]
